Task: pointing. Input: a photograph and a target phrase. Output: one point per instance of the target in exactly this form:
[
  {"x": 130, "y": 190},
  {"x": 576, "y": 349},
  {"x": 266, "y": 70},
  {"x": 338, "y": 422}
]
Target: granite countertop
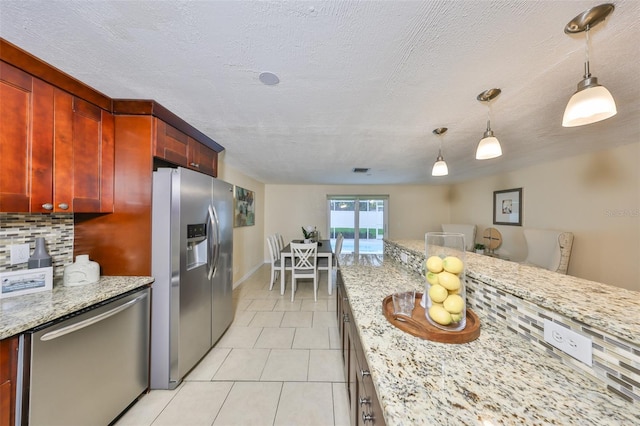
[
  {"x": 21, "y": 313},
  {"x": 498, "y": 379},
  {"x": 602, "y": 306}
]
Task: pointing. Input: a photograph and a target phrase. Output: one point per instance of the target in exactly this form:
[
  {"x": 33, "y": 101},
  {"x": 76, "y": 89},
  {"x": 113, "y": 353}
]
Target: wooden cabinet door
[
  {"x": 202, "y": 158},
  {"x": 35, "y": 117},
  {"x": 8, "y": 371},
  {"x": 84, "y": 155},
  {"x": 93, "y": 158},
  {"x": 5, "y": 403},
  {"x": 26, "y": 141},
  {"x": 171, "y": 144},
  {"x": 174, "y": 146},
  {"x": 343, "y": 327}
]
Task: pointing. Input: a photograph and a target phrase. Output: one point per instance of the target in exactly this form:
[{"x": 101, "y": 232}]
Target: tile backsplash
[{"x": 57, "y": 230}]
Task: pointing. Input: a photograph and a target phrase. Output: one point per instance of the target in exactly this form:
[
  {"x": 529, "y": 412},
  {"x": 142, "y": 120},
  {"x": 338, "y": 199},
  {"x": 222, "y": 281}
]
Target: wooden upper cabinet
[
  {"x": 202, "y": 158},
  {"x": 176, "y": 147},
  {"x": 56, "y": 150},
  {"x": 171, "y": 144},
  {"x": 174, "y": 140},
  {"x": 26, "y": 150},
  {"x": 84, "y": 156}
]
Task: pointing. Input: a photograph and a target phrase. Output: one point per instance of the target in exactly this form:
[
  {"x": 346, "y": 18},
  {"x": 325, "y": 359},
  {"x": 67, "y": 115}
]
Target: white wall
[
  {"x": 247, "y": 248},
  {"x": 414, "y": 209},
  {"x": 595, "y": 196}
]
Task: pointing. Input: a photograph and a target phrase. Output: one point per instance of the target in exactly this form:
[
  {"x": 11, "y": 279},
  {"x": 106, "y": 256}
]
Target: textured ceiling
[{"x": 362, "y": 83}]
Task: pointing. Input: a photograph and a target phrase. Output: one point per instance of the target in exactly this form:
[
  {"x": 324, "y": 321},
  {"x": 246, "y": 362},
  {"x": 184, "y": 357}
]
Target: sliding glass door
[{"x": 362, "y": 220}]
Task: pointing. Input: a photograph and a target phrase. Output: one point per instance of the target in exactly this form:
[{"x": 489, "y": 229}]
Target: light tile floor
[{"x": 278, "y": 364}]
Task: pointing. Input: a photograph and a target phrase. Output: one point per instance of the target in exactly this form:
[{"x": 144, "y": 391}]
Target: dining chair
[
  {"x": 323, "y": 262},
  {"x": 338, "y": 249},
  {"x": 469, "y": 232},
  {"x": 280, "y": 240},
  {"x": 305, "y": 265},
  {"x": 548, "y": 249},
  {"x": 275, "y": 242},
  {"x": 276, "y": 260}
]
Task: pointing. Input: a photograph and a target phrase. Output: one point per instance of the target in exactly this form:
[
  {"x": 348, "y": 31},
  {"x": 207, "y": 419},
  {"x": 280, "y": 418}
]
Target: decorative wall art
[
  {"x": 26, "y": 281},
  {"x": 507, "y": 207},
  {"x": 244, "y": 207}
]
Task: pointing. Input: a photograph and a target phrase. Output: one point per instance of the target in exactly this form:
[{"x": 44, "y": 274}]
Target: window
[{"x": 362, "y": 220}]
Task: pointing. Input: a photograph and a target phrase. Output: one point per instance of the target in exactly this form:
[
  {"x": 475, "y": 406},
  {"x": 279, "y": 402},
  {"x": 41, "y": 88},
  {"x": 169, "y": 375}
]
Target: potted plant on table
[
  {"x": 479, "y": 248},
  {"x": 308, "y": 232}
]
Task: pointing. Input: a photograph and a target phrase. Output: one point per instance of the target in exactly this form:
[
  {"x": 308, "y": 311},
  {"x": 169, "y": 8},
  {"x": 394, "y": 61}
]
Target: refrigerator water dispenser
[{"x": 196, "y": 245}]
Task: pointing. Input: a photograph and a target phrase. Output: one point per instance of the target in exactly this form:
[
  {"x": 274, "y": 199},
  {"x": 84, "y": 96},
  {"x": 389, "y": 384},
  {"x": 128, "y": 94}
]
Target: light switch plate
[
  {"x": 19, "y": 253},
  {"x": 568, "y": 341}
]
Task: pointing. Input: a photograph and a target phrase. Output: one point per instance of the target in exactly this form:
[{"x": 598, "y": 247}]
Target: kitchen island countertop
[
  {"x": 498, "y": 379},
  {"x": 599, "y": 305},
  {"x": 21, "y": 313}
]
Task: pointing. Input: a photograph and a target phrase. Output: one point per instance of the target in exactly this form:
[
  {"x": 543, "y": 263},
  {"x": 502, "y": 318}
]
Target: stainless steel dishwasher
[{"x": 87, "y": 368}]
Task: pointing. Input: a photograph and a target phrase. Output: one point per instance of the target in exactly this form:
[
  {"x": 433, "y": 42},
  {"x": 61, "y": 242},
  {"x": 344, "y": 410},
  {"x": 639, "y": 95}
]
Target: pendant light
[
  {"x": 591, "y": 102},
  {"x": 489, "y": 146},
  {"x": 440, "y": 166}
]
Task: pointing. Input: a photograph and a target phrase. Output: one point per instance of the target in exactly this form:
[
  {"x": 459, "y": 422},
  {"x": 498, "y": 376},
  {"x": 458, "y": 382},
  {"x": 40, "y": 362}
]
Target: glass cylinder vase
[{"x": 446, "y": 300}]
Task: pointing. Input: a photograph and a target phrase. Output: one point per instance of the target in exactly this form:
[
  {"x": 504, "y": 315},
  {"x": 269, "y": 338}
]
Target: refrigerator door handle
[
  {"x": 214, "y": 242},
  {"x": 217, "y": 242}
]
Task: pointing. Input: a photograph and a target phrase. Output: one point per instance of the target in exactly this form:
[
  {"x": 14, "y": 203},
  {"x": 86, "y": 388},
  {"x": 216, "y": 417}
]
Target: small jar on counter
[{"x": 83, "y": 271}]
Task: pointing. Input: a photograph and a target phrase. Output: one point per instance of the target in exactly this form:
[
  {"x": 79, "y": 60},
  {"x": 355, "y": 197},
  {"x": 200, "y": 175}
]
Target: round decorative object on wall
[{"x": 492, "y": 238}]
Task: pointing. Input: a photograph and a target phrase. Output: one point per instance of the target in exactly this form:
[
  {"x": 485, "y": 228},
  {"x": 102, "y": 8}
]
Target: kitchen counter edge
[{"x": 22, "y": 313}]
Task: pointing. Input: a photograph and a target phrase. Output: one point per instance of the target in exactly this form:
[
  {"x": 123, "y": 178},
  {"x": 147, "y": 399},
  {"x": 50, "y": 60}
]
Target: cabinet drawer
[{"x": 369, "y": 411}]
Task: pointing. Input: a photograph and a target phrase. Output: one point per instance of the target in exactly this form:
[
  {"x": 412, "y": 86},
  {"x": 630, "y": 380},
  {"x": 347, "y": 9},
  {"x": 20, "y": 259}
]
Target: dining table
[{"x": 324, "y": 252}]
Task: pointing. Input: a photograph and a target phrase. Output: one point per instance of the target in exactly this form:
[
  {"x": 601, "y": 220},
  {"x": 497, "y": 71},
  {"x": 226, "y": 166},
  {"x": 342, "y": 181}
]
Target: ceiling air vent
[{"x": 360, "y": 169}]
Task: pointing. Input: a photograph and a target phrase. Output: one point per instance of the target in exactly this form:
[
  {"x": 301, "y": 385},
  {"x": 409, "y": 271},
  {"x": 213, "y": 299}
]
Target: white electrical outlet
[
  {"x": 404, "y": 257},
  {"x": 568, "y": 341},
  {"x": 19, "y": 253}
]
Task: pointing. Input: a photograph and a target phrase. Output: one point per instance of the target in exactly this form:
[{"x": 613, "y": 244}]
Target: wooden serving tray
[{"x": 418, "y": 325}]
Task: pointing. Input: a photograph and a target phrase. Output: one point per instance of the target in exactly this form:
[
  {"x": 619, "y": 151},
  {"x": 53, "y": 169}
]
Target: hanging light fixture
[
  {"x": 489, "y": 146},
  {"x": 440, "y": 166},
  {"x": 591, "y": 102}
]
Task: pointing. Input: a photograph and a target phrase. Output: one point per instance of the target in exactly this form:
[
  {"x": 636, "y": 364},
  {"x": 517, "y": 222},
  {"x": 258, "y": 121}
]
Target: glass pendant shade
[
  {"x": 591, "y": 102},
  {"x": 589, "y": 105},
  {"x": 489, "y": 146},
  {"x": 440, "y": 167}
]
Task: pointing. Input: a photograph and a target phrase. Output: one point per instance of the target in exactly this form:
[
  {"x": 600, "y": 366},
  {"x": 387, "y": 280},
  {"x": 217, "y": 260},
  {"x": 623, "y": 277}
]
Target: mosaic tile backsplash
[
  {"x": 57, "y": 230},
  {"x": 616, "y": 361}
]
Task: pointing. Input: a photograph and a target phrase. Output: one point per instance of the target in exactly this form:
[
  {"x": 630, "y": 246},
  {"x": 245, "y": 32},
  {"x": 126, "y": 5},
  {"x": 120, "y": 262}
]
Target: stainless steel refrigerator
[{"x": 192, "y": 263}]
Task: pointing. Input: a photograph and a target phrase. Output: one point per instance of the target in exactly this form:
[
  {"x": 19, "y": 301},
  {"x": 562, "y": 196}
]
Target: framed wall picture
[
  {"x": 507, "y": 207},
  {"x": 26, "y": 281},
  {"x": 244, "y": 208}
]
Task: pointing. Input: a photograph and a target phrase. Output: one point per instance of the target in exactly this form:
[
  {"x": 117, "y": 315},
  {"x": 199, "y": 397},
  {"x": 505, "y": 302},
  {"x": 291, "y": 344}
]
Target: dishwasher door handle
[{"x": 90, "y": 321}]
